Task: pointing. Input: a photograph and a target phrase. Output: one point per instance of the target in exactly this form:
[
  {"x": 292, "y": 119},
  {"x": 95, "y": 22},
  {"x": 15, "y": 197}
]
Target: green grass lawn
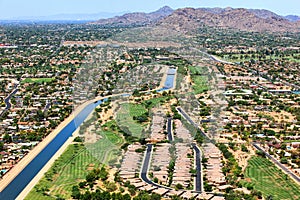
[
  {"x": 125, "y": 118},
  {"x": 289, "y": 58},
  {"x": 200, "y": 81},
  {"x": 136, "y": 109},
  {"x": 200, "y": 84},
  {"x": 198, "y": 70},
  {"x": 264, "y": 176},
  {"x": 156, "y": 101},
  {"x": 68, "y": 170},
  {"x": 107, "y": 149},
  {"x": 74, "y": 164},
  {"x": 38, "y": 80}
]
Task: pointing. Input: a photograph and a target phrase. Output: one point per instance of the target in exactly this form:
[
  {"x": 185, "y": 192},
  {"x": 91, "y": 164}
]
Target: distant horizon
[{"x": 15, "y": 9}]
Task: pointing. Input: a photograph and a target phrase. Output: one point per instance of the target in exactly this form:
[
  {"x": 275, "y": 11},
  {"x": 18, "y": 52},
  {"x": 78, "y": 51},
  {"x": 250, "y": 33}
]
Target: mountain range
[
  {"x": 293, "y": 18},
  {"x": 137, "y": 18},
  {"x": 189, "y": 19}
]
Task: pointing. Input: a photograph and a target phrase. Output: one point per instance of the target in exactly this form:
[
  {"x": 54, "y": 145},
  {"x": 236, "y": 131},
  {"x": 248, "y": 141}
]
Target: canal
[
  {"x": 170, "y": 80},
  {"x": 14, "y": 188}
]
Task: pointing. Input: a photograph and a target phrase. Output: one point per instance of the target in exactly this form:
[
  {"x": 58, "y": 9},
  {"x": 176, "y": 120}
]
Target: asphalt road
[
  {"x": 213, "y": 57},
  {"x": 7, "y": 101},
  {"x": 198, "y": 183},
  {"x": 47, "y": 107},
  {"x": 191, "y": 122},
  {"x": 147, "y": 158},
  {"x": 169, "y": 129},
  {"x": 257, "y": 147},
  {"x": 145, "y": 168},
  {"x": 146, "y": 163},
  {"x": 286, "y": 170}
]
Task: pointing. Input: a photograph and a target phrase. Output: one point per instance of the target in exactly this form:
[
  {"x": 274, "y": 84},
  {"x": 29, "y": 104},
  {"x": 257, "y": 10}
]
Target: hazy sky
[{"x": 17, "y": 8}]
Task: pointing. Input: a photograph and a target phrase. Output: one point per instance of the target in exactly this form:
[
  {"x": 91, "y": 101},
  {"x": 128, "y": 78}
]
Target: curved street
[
  {"x": 146, "y": 164},
  {"x": 198, "y": 187},
  {"x": 7, "y": 101},
  {"x": 145, "y": 168},
  {"x": 10, "y": 184}
]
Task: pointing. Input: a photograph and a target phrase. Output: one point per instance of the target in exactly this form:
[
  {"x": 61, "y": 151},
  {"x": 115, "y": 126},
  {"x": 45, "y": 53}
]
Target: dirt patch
[
  {"x": 111, "y": 174},
  {"x": 248, "y": 180},
  {"x": 90, "y": 168},
  {"x": 92, "y": 138}
]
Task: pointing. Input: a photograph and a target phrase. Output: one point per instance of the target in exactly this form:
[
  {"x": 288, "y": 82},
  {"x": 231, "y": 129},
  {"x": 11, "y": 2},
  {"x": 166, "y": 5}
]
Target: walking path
[{"x": 276, "y": 162}]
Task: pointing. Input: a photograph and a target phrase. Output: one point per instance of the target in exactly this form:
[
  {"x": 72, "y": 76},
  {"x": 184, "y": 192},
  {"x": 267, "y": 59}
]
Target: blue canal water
[
  {"x": 296, "y": 92},
  {"x": 126, "y": 95},
  {"x": 29, "y": 172},
  {"x": 172, "y": 71},
  {"x": 12, "y": 190},
  {"x": 170, "y": 81}
]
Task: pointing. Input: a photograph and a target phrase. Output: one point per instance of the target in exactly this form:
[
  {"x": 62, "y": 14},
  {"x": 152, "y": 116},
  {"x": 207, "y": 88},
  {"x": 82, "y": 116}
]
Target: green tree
[
  {"x": 90, "y": 177},
  {"x": 75, "y": 192},
  {"x": 110, "y": 186},
  {"x": 178, "y": 186},
  {"x": 1, "y": 146},
  {"x": 284, "y": 160},
  {"x": 7, "y": 138}
]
